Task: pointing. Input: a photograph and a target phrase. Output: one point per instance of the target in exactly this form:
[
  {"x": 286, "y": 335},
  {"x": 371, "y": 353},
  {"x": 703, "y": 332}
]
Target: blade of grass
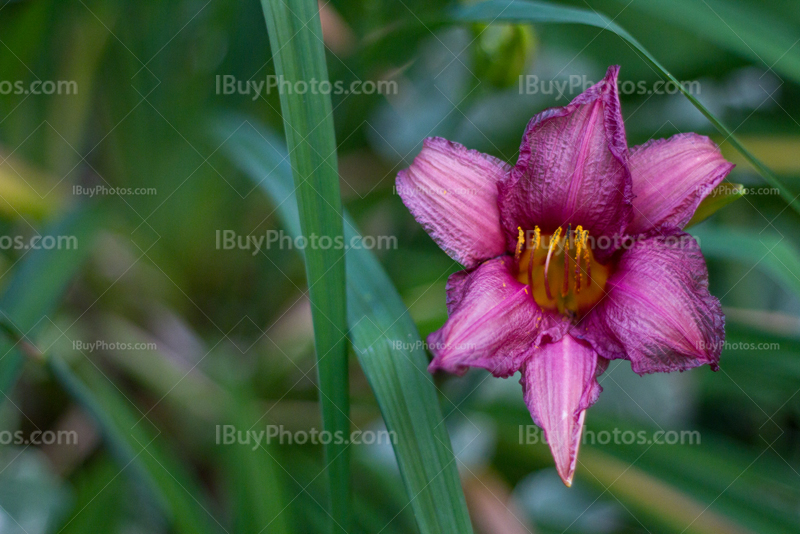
[
  {"x": 295, "y": 36},
  {"x": 252, "y": 474},
  {"x": 137, "y": 449},
  {"x": 531, "y": 11},
  {"x": 37, "y": 283},
  {"x": 379, "y": 322}
]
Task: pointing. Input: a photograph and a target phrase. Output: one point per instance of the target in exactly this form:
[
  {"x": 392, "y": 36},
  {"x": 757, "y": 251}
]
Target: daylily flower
[{"x": 574, "y": 256}]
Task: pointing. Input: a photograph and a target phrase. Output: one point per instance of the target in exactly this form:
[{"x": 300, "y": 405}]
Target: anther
[
  {"x": 578, "y": 247},
  {"x": 520, "y": 242},
  {"x": 587, "y": 257}
]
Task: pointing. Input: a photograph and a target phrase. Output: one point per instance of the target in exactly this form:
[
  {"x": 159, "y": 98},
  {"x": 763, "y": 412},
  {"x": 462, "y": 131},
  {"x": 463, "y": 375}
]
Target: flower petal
[
  {"x": 572, "y": 169},
  {"x": 493, "y": 322},
  {"x": 658, "y": 312},
  {"x": 671, "y": 177},
  {"x": 559, "y": 382},
  {"x": 452, "y": 193}
]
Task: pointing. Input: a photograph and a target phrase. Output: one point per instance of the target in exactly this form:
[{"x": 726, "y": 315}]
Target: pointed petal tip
[
  {"x": 565, "y": 464},
  {"x": 612, "y": 72},
  {"x": 566, "y": 458}
]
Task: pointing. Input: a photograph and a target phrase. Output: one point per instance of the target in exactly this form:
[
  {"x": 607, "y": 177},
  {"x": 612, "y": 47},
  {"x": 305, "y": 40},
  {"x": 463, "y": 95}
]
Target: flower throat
[{"x": 561, "y": 270}]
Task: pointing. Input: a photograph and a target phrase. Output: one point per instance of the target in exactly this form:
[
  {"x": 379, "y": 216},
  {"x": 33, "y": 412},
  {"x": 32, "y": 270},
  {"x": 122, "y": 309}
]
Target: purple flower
[{"x": 575, "y": 256}]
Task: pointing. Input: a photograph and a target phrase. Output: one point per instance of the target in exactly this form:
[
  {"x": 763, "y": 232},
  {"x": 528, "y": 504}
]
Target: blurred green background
[{"x": 158, "y": 336}]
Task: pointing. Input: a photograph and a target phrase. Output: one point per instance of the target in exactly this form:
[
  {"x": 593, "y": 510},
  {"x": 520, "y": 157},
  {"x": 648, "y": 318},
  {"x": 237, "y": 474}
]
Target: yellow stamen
[
  {"x": 520, "y": 242},
  {"x": 537, "y": 235},
  {"x": 587, "y": 257},
  {"x": 578, "y": 247}
]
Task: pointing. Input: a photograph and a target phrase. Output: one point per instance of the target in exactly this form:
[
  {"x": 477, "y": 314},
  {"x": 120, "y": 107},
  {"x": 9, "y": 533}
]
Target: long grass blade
[
  {"x": 295, "y": 35},
  {"x": 385, "y": 340}
]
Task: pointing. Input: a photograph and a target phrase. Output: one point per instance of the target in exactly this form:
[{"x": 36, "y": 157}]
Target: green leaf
[
  {"x": 295, "y": 36},
  {"x": 38, "y": 282},
  {"x": 531, "y": 11},
  {"x": 720, "y": 196},
  {"x": 137, "y": 448},
  {"x": 379, "y": 322}
]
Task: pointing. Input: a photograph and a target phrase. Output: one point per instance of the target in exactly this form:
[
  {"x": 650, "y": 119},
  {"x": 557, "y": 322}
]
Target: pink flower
[{"x": 574, "y": 256}]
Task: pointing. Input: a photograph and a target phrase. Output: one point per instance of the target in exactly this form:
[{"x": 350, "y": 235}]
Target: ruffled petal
[
  {"x": 572, "y": 169},
  {"x": 559, "y": 382},
  {"x": 493, "y": 322},
  {"x": 670, "y": 178},
  {"x": 658, "y": 312},
  {"x": 452, "y": 193}
]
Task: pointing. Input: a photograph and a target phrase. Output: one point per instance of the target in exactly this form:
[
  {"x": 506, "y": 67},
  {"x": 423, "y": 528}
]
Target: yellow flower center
[{"x": 561, "y": 270}]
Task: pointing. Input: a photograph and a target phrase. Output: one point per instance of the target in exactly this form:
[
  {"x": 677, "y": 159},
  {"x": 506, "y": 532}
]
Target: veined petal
[
  {"x": 572, "y": 169},
  {"x": 559, "y": 382},
  {"x": 670, "y": 178},
  {"x": 452, "y": 193},
  {"x": 493, "y": 322},
  {"x": 658, "y": 312}
]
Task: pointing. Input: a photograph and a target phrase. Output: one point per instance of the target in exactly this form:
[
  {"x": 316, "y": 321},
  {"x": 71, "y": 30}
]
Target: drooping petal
[
  {"x": 493, "y": 322},
  {"x": 658, "y": 312},
  {"x": 572, "y": 169},
  {"x": 670, "y": 178},
  {"x": 452, "y": 193},
  {"x": 559, "y": 382}
]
